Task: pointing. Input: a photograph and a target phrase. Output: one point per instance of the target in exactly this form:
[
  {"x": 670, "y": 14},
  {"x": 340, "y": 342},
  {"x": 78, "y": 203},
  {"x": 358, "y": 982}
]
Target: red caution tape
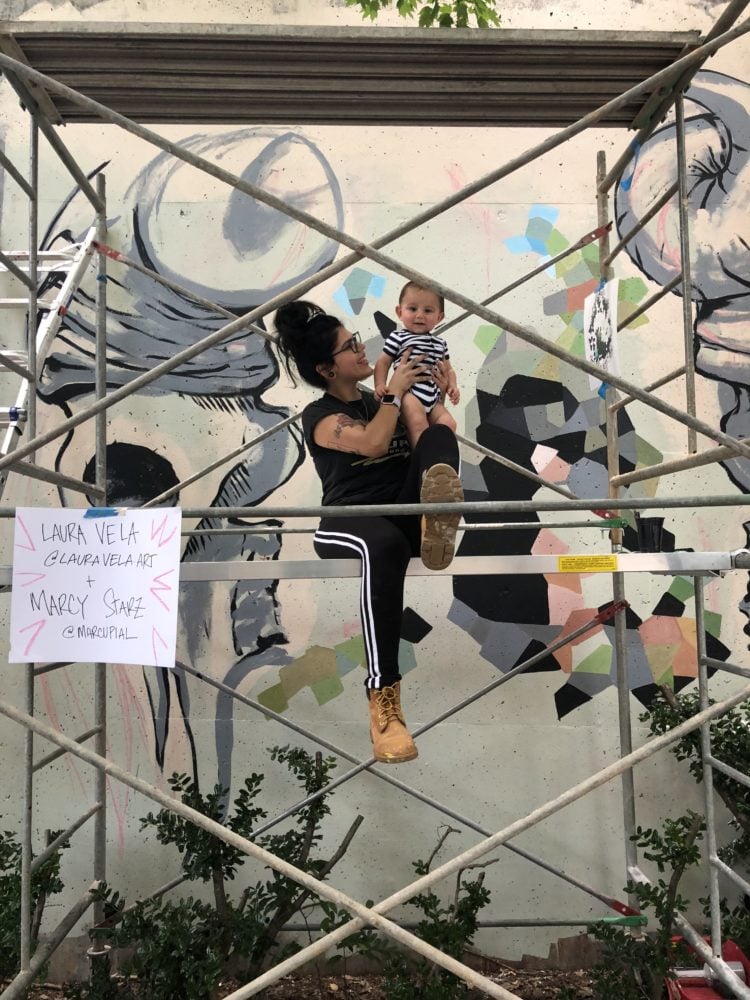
[
  {"x": 107, "y": 251},
  {"x": 611, "y": 610},
  {"x": 624, "y": 909},
  {"x": 595, "y": 234}
]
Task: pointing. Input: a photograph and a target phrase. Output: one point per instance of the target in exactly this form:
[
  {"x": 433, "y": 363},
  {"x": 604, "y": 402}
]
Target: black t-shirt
[{"x": 355, "y": 479}]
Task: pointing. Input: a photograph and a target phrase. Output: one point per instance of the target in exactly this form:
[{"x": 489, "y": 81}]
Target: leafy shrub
[
  {"x": 448, "y": 926},
  {"x": 634, "y": 968},
  {"x": 45, "y": 882},
  {"x": 183, "y": 948},
  {"x": 435, "y": 13}
]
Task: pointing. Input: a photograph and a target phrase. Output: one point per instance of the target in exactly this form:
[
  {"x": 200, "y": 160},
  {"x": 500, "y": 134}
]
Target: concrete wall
[{"x": 297, "y": 646}]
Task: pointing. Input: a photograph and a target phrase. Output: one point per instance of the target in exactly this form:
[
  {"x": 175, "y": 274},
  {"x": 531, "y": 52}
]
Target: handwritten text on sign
[{"x": 94, "y": 588}]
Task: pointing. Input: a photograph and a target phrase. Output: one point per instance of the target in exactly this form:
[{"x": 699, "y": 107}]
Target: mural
[
  {"x": 717, "y": 126},
  {"x": 220, "y": 394},
  {"x": 543, "y": 417},
  {"x": 529, "y": 407},
  {"x": 549, "y": 419}
]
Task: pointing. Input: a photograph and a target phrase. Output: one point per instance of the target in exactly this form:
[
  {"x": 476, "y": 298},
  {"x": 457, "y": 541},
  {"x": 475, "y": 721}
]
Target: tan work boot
[
  {"x": 440, "y": 484},
  {"x": 391, "y": 740}
]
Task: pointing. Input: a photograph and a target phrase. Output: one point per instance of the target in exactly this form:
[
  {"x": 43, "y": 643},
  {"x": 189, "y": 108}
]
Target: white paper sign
[
  {"x": 600, "y": 329},
  {"x": 95, "y": 586}
]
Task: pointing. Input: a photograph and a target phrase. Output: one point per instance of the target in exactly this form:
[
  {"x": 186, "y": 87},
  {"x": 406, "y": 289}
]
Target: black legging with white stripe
[{"x": 385, "y": 545}]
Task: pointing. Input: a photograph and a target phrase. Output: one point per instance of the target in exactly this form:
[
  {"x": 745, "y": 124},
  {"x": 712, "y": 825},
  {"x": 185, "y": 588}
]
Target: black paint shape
[
  {"x": 670, "y": 606},
  {"x": 549, "y": 663},
  {"x": 385, "y": 325},
  {"x": 413, "y": 626},
  {"x": 568, "y": 698},
  {"x": 716, "y": 649},
  {"x": 680, "y": 683},
  {"x": 135, "y": 475},
  {"x": 646, "y": 694}
]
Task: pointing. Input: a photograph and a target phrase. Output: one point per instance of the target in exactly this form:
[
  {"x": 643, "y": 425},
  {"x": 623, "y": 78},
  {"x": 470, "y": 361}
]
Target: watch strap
[{"x": 391, "y": 400}]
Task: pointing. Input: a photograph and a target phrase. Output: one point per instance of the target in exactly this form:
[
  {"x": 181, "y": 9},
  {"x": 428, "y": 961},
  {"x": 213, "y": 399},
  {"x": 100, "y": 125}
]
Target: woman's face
[{"x": 349, "y": 357}]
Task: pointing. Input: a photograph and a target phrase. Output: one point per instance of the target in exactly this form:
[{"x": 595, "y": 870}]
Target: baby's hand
[
  {"x": 454, "y": 395},
  {"x": 380, "y": 391}
]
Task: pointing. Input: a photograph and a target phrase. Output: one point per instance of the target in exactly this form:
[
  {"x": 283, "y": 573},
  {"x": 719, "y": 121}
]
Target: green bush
[
  {"x": 45, "y": 882},
  {"x": 435, "y": 13},
  {"x": 449, "y": 926},
  {"x": 183, "y": 948},
  {"x": 635, "y": 967}
]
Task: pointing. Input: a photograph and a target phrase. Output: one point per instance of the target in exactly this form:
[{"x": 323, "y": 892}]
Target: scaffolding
[{"x": 653, "y": 96}]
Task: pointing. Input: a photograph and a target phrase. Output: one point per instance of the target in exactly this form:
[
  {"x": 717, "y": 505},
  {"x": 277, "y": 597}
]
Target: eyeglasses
[{"x": 352, "y": 345}]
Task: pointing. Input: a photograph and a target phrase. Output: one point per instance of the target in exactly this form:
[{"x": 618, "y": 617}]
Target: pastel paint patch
[
  {"x": 578, "y": 618},
  {"x": 542, "y": 211},
  {"x": 599, "y": 661},
  {"x": 517, "y": 244},
  {"x": 685, "y": 663},
  {"x": 660, "y": 658},
  {"x": 712, "y": 622},
  {"x": 316, "y": 664},
  {"x": 407, "y": 659},
  {"x": 688, "y": 630},
  {"x": 565, "y": 581},
  {"x": 549, "y": 368},
  {"x": 353, "y": 293},
  {"x": 548, "y": 543},
  {"x": 682, "y": 589},
  {"x": 486, "y": 337},
  {"x": 563, "y": 602},
  {"x": 274, "y": 698},
  {"x": 557, "y": 471},
  {"x": 661, "y": 629},
  {"x": 542, "y": 456},
  {"x": 353, "y": 649},
  {"x": 327, "y": 689}
]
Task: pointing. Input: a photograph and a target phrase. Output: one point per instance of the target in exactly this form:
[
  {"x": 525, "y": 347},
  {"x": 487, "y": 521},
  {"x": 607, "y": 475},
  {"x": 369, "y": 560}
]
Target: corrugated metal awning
[{"x": 229, "y": 74}]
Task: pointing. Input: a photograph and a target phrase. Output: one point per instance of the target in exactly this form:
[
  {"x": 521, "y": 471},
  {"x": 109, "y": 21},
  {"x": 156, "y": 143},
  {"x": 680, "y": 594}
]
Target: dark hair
[
  {"x": 412, "y": 284},
  {"x": 307, "y": 338}
]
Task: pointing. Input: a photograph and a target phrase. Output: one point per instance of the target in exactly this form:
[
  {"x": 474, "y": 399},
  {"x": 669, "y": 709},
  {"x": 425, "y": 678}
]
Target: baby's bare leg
[
  {"x": 439, "y": 415},
  {"x": 414, "y": 417}
]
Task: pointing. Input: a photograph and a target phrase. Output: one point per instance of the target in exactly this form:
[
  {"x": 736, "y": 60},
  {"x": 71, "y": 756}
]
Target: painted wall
[{"x": 296, "y": 646}]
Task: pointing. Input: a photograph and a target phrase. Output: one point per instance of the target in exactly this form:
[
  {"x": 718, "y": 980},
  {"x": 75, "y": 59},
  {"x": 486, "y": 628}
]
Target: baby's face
[{"x": 419, "y": 310}]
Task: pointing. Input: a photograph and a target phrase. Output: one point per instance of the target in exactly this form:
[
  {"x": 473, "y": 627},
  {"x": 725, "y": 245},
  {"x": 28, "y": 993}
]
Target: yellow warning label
[{"x": 587, "y": 564}]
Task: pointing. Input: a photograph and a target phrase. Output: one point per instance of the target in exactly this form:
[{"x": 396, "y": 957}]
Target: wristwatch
[{"x": 390, "y": 400}]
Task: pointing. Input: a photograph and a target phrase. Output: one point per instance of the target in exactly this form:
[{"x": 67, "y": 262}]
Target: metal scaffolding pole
[
  {"x": 686, "y": 63},
  {"x": 17, "y": 989},
  {"x": 642, "y": 222},
  {"x": 662, "y": 100},
  {"x": 368, "y": 764},
  {"x": 27, "y": 852},
  {"x": 686, "y": 277},
  {"x": 372, "y": 916},
  {"x": 618, "y": 579},
  {"x": 48, "y": 131},
  {"x": 364, "y": 915},
  {"x": 370, "y": 251},
  {"x": 100, "y": 669}
]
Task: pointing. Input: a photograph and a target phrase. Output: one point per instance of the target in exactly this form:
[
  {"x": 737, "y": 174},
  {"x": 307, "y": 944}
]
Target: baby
[{"x": 419, "y": 310}]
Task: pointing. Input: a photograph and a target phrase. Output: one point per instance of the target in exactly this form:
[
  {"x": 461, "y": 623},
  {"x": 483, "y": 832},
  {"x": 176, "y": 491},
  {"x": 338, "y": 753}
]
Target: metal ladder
[{"x": 72, "y": 259}]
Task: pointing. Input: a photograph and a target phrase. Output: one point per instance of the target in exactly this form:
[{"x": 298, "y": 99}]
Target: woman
[{"x": 362, "y": 455}]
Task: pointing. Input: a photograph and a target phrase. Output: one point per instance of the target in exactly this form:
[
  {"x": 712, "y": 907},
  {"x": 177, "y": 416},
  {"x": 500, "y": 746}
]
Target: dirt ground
[{"x": 548, "y": 985}]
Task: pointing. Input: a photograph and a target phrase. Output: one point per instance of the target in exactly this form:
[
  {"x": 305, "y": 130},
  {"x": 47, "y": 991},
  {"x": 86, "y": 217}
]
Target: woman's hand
[
  {"x": 341, "y": 432},
  {"x": 410, "y": 371},
  {"x": 440, "y": 378}
]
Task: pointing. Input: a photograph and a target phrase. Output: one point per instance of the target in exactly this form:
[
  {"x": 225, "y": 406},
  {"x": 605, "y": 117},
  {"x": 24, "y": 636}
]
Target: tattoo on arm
[{"x": 343, "y": 421}]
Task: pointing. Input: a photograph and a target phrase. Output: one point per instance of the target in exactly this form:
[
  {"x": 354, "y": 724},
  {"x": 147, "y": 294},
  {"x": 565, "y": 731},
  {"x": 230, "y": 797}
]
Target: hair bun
[
  {"x": 293, "y": 317},
  {"x": 307, "y": 339}
]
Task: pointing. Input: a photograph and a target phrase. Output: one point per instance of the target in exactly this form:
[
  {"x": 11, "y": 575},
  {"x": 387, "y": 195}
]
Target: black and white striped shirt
[{"x": 431, "y": 346}]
